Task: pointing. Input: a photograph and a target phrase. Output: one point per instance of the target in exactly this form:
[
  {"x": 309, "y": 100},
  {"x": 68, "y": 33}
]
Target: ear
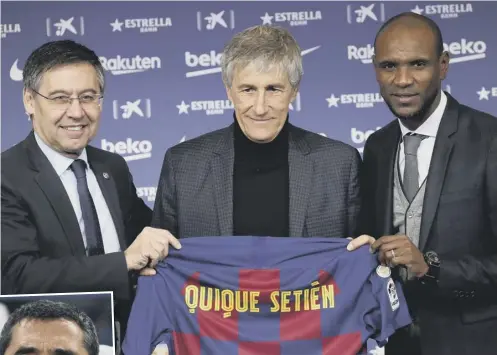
[
  {"x": 444, "y": 64},
  {"x": 29, "y": 102},
  {"x": 375, "y": 63},
  {"x": 375, "y": 67},
  {"x": 295, "y": 91},
  {"x": 228, "y": 93}
]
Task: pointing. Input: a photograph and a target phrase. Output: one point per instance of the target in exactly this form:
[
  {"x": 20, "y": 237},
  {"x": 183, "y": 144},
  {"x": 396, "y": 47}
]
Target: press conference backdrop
[{"x": 162, "y": 62}]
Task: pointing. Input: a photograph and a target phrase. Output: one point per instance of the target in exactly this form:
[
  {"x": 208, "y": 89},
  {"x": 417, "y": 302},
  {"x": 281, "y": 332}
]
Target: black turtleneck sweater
[{"x": 260, "y": 186}]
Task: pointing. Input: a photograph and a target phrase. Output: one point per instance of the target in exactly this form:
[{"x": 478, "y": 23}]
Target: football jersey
[{"x": 265, "y": 295}]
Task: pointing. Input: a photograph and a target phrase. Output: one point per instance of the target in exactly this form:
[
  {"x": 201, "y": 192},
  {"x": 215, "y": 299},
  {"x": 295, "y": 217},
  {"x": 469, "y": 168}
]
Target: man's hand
[
  {"x": 150, "y": 247},
  {"x": 399, "y": 250},
  {"x": 360, "y": 241}
]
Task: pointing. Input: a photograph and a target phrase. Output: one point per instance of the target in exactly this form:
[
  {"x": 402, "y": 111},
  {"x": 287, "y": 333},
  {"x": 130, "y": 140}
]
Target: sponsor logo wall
[{"x": 162, "y": 63}]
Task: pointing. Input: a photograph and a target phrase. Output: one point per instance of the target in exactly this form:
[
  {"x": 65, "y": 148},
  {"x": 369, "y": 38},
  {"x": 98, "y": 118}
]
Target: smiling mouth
[
  {"x": 74, "y": 128},
  {"x": 405, "y": 98},
  {"x": 260, "y": 120}
]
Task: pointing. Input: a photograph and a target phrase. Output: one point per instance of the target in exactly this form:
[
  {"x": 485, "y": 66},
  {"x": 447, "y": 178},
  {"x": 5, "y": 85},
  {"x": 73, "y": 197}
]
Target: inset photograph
[{"x": 68, "y": 323}]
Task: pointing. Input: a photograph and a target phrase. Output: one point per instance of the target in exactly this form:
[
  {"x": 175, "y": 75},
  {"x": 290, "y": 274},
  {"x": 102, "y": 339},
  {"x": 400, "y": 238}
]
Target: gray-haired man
[{"x": 260, "y": 176}]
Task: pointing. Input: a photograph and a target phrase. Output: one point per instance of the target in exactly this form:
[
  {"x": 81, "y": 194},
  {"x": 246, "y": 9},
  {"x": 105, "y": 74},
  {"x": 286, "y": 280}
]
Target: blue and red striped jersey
[{"x": 265, "y": 295}]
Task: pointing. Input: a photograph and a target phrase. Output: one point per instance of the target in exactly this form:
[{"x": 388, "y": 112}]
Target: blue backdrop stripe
[{"x": 163, "y": 77}]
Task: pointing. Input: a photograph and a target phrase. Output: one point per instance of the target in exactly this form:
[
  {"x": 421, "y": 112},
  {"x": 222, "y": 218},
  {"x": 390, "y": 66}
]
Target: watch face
[{"x": 432, "y": 256}]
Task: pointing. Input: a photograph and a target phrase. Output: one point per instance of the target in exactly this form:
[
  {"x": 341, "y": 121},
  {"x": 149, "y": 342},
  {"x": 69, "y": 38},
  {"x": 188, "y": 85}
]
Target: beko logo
[
  {"x": 212, "y": 61},
  {"x": 465, "y": 50},
  {"x": 360, "y": 137},
  {"x": 129, "y": 149}
]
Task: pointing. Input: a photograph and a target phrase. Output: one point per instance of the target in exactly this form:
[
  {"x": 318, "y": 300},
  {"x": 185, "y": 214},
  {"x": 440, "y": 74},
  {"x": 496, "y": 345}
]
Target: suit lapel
[
  {"x": 109, "y": 190},
  {"x": 300, "y": 175},
  {"x": 51, "y": 185},
  {"x": 386, "y": 170},
  {"x": 222, "y": 170},
  {"x": 438, "y": 167}
]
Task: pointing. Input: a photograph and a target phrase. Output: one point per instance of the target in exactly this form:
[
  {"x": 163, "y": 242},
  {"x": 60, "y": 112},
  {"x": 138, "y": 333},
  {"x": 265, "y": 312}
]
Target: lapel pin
[{"x": 106, "y": 176}]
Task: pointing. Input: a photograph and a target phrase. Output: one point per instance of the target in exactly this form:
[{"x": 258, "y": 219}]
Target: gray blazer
[{"x": 195, "y": 192}]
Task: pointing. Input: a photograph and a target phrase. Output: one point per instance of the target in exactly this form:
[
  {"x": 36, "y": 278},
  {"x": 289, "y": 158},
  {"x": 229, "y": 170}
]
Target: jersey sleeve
[
  {"x": 390, "y": 311},
  {"x": 148, "y": 324}
]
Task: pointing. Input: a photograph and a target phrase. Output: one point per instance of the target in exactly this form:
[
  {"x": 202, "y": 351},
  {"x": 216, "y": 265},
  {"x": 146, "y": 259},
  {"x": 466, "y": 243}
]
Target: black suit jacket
[
  {"x": 41, "y": 243},
  {"x": 195, "y": 192},
  {"x": 459, "y": 222}
]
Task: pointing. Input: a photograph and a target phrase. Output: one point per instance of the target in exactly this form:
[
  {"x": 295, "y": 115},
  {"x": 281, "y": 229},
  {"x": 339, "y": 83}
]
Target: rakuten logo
[
  {"x": 129, "y": 149},
  {"x": 360, "y": 137},
  {"x": 212, "y": 59},
  {"x": 122, "y": 65},
  {"x": 465, "y": 50},
  {"x": 364, "y": 54}
]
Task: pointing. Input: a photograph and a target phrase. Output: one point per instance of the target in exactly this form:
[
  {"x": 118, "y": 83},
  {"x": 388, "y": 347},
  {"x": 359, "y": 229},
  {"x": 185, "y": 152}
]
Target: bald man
[{"x": 430, "y": 196}]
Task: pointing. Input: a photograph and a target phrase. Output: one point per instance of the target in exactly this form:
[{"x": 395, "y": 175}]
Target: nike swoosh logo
[
  {"x": 310, "y": 50},
  {"x": 201, "y": 72},
  {"x": 15, "y": 72}
]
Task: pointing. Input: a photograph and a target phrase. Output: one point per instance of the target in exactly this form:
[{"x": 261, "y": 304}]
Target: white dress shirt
[
  {"x": 429, "y": 128},
  {"x": 62, "y": 164}
]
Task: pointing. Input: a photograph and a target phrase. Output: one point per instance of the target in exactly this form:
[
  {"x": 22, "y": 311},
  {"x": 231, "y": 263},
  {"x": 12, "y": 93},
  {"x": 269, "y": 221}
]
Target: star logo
[
  {"x": 483, "y": 93},
  {"x": 183, "y": 108},
  {"x": 333, "y": 101},
  {"x": 266, "y": 19},
  {"x": 116, "y": 25},
  {"x": 132, "y": 107},
  {"x": 417, "y": 10},
  {"x": 215, "y": 19},
  {"x": 364, "y": 12},
  {"x": 65, "y": 25}
]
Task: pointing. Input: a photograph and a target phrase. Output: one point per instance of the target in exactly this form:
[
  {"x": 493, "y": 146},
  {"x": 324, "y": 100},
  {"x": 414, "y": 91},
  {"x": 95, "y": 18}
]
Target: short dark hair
[
  {"x": 425, "y": 20},
  {"x": 55, "y": 53},
  {"x": 45, "y": 310}
]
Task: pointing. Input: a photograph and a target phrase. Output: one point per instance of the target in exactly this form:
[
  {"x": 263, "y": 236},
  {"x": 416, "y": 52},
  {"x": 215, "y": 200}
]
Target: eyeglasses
[{"x": 64, "y": 101}]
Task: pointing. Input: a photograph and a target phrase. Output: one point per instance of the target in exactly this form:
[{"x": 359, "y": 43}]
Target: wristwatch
[{"x": 433, "y": 274}]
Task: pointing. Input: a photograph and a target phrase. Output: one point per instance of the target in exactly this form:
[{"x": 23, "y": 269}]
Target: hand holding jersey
[{"x": 150, "y": 247}]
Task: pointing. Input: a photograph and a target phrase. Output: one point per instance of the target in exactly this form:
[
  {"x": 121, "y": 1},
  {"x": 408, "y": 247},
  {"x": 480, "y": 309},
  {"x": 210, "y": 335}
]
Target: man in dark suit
[
  {"x": 261, "y": 176},
  {"x": 71, "y": 219},
  {"x": 430, "y": 196}
]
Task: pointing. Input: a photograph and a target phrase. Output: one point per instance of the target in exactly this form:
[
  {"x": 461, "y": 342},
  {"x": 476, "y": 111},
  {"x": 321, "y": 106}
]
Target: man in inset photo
[{"x": 49, "y": 328}]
